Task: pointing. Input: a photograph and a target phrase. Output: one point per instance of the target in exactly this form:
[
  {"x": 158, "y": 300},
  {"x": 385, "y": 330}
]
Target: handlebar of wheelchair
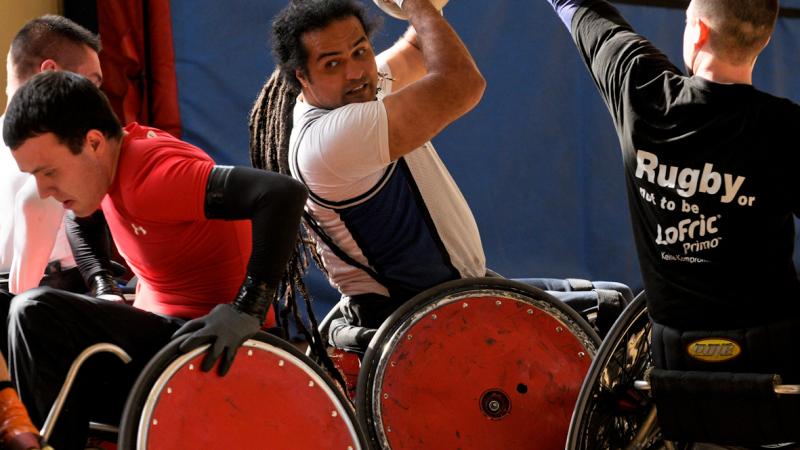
[
  {"x": 49, "y": 423},
  {"x": 791, "y": 389}
]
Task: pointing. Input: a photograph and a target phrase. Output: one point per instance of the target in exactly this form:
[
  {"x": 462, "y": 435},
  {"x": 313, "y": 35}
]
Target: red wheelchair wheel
[
  {"x": 475, "y": 364},
  {"x": 272, "y": 397}
]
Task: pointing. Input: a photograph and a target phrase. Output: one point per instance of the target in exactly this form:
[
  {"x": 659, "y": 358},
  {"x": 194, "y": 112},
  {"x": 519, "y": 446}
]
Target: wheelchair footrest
[{"x": 724, "y": 408}]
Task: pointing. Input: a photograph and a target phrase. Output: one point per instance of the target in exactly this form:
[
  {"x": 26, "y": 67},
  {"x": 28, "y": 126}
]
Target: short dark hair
[
  {"x": 49, "y": 37},
  {"x": 302, "y": 16},
  {"x": 59, "y": 102},
  {"x": 742, "y": 27}
]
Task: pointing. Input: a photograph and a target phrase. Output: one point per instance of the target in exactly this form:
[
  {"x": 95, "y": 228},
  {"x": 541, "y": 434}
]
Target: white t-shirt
[
  {"x": 31, "y": 229},
  {"x": 406, "y": 220}
]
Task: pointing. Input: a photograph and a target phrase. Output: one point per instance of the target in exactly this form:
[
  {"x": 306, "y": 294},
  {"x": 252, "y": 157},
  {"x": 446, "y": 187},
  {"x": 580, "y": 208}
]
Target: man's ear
[
  {"x": 301, "y": 77},
  {"x": 49, "y": 64},
  {"x": 97, "y": 141},
  {"x": 702, "y": 32}
]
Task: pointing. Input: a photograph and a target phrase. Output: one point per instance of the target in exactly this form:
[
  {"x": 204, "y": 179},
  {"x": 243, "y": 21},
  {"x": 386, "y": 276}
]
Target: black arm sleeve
[
  {"x": 614, "y": 52},
  {"x": 274, "y": 203},
  {"x": 91, "y": 245}
]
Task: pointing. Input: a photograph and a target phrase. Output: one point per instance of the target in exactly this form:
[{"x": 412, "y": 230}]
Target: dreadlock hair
[{"x": 270, "y": 127}]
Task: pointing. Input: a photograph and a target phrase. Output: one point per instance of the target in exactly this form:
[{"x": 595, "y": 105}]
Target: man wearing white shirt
[
  {"x": 33, "y": 245},
  {"x": 388, "y": 220}
]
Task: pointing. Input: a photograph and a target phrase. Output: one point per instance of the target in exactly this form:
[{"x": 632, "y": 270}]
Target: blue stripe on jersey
[{"x": 395, "y": 232}]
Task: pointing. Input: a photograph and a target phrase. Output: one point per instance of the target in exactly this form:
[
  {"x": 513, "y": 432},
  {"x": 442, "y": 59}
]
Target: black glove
[{"x": 226, "y": 327}]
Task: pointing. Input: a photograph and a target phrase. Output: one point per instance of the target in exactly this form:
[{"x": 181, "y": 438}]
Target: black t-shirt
[{"x": 710, "y": 173}]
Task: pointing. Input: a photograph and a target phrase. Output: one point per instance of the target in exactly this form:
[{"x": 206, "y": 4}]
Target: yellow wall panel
[{"x": 14, "y": 14}]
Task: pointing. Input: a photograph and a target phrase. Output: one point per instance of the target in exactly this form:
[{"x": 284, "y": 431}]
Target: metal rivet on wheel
[
  {"x": 310, "y": 383},
  {"x": 250, "y": 353},
  {"x": 349, "y": 447},
  {"x": 464, "y": 305},
  {"x": 334, "y": 413},
  {"x": 280, "y": 363},
  {"x": 409, "y": 337},
  {"x": 498, "y": 303},
  {"x": 191, "y": 366},
  {"x": 385, "y": 396},
  {"x": 530, "y": 311},
  {"x": 433, "y": 317},
  {"x": 393, "y": 364},
  {"x": 169, "y": 390},
  {"x": 559, "y": 329},
  {"x": 581, "y": 354},
  {"x": 155, "y": 421},
  {"x": 388, "y": 429}
]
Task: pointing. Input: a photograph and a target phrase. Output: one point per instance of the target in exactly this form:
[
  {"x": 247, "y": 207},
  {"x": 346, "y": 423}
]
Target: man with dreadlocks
[{"x": 387, "y": 217}]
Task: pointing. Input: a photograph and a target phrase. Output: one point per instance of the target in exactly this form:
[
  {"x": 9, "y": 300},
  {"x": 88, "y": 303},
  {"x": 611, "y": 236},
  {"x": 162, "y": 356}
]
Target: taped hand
[
  {"x": 225, "y": 328},
  {"x": 105, "y": 287}
]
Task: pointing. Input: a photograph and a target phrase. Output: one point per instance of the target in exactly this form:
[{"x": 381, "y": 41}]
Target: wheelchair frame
[{"x": 614, "y": 409}]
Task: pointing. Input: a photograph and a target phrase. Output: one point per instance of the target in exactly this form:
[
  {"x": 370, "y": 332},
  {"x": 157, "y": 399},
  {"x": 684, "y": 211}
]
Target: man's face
[
  {"x": 89, "y": 66},
  {"x": 341, "y": 65},
  {"x": 79, "y": 181}
]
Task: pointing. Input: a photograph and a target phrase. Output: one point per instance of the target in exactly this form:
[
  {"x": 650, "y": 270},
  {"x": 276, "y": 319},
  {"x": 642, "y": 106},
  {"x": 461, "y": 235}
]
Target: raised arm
[
  {"x": 452, "y": 86},
  {"x": 610, "y": 48},
  {"x": 566, "y": 9},
  {"x": 274, "y": 204},
  {"x": 404, "y": 59}
]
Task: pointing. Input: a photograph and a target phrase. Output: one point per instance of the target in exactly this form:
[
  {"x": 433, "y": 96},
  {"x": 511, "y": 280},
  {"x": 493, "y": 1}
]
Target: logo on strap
[{"x": 713, "y": 350}]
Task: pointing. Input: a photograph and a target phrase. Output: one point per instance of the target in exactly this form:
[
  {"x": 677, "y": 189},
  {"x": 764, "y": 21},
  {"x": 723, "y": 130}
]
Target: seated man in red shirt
[{"x": 197, "y": 236}]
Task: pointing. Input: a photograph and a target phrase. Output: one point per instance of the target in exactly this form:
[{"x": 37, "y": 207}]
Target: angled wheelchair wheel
[
  {"x": 272, "y": 397},
  {"x": 475, "y": 364},
  {"x": 610, "y": 412}
]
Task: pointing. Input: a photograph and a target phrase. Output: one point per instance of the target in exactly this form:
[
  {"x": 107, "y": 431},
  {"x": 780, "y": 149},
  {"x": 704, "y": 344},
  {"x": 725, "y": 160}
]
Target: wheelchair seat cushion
[{"x": 598, "y": 302}]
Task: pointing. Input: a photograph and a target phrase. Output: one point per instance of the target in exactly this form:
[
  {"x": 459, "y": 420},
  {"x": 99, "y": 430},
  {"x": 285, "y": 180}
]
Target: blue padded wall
[{"x": 538, "y": 159}]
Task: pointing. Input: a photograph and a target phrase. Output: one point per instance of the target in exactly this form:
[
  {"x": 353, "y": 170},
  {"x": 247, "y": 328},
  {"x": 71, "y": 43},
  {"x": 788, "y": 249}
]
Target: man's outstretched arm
[
  {"x": 274, "y": 204},
  {"x": 566, "y": 10}
]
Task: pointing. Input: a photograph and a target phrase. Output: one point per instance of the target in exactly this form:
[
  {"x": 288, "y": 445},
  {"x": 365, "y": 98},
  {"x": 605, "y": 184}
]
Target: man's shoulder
[
  {"x": 155, "y": 157},
  {"x": 146, "y": 146},
  {"x": 348, "y": 123},
  {"x": 780, "y": 104},
  {"x": 305, "y": 113}
]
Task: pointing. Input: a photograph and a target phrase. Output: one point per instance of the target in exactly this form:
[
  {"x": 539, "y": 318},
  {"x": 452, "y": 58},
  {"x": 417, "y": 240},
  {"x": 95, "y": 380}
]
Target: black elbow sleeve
[
  {"x": 91, "y": 245},
  {"x": 274, "y": 203},
  {"x": 234, "y": 193}
]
